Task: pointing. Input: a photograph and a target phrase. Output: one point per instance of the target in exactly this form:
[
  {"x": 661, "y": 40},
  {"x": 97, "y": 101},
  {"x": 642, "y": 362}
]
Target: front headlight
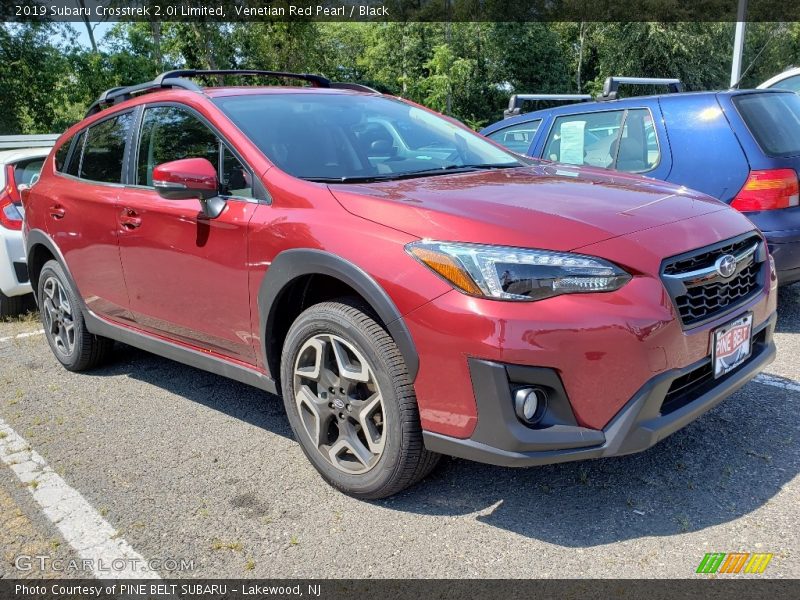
[{"x": 517, "y": 273}]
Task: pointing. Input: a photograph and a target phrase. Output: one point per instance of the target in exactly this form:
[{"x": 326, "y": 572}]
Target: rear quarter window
[
  {"x": 61, "y": 154},
  {"x": 774, "y": 121},
  {"x": 74, "y": 159}
]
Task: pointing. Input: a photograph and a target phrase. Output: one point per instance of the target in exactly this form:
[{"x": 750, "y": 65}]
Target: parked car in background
[
  {"x": 21, "y": 159},
  {"x": 408, "y": 287},
  {"x": 740, "y": 146},
  {"x": 788, "y": 80}
]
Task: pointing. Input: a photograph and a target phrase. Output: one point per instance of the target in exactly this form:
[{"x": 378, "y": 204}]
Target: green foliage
[{"x": 467, "y": 70}]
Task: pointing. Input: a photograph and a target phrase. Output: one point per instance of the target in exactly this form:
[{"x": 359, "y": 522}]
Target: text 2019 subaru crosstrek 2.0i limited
[{"x": 410, "y": 288}]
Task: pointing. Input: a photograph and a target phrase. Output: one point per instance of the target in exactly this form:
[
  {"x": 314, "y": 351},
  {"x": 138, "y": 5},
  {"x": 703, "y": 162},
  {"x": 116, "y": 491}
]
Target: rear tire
[
  {"x": 351, "y": 403},
  {"x": 63, "y": 323}
]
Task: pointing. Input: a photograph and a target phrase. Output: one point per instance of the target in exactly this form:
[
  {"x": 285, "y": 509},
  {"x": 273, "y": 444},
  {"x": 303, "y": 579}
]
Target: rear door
[
  {"x": 82, "y": 213},
  {"x": 187, "y": 274}
]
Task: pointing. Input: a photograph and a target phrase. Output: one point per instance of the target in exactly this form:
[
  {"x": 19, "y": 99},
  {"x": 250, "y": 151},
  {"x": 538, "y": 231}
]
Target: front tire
[
  {"x": 351, "y": 403},
  {"x": 63, "y": 323}
]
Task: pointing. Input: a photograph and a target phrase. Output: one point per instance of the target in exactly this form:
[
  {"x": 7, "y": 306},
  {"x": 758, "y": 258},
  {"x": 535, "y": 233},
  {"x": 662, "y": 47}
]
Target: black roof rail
[
  {"x": 173, "y": 79},
  {"x": 357, "y": 87},
  {"x": 314, "y": 80},
  {"x": 611, "y": 85},
  {"x": 515, "y": 103}
]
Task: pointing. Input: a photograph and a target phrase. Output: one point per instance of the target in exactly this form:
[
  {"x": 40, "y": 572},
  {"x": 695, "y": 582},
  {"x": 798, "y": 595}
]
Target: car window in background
[
  {"x": 517, "y": 138},
  {"x": 329, "y": 137},
  {"x": 170, "y": 133},
  {"x": 774, "y": 120},
  {"x": 585, "y": 139},
  {"x": 601, "y": 139},
  {"x": 790, "y": 83},
  {"x": 637, "y": 150},
  {"x": 26, "y": 170},
  {"x": 104, "y": 149},
  {"x": 74, "y": 164}
]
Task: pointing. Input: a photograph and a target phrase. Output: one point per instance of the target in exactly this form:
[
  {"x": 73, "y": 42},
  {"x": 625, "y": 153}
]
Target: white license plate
[{"x": 731, "y": 344}]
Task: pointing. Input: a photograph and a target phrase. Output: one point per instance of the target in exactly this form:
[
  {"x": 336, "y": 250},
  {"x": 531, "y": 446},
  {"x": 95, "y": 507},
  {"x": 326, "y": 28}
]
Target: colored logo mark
[{"x": 735, "y": 562}]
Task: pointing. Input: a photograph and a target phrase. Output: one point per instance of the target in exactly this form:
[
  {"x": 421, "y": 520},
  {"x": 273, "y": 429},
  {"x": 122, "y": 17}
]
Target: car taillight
[
  {"x": 10, "y": 217},
  {"x": 768, "y": 190}
]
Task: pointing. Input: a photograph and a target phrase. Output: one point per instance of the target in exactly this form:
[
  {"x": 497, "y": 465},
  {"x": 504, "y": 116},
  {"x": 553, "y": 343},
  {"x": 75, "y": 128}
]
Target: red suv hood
[{"x": 545, "y": 206}]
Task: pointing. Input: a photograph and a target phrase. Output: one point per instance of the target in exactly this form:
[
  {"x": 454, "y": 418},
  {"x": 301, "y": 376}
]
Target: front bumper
[{"x": 663, "y": 405}]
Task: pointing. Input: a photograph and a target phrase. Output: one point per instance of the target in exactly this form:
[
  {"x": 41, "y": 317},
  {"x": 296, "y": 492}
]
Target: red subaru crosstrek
[{"x": 410, "y": 288}]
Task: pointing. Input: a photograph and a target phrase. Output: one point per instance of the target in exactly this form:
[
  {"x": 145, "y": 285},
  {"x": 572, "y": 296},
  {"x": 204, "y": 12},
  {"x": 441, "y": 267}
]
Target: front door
[{"x": 187, "y": 275}]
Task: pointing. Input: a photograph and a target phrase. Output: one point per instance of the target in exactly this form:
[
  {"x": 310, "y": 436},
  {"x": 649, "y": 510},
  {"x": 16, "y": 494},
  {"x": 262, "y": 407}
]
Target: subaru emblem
[{"x": 726, "y": 265}]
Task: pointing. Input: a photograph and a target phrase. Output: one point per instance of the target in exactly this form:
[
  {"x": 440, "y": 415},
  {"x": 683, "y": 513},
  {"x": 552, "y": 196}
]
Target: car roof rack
[
  {"x": 611, "y": 85},
  {"x": 177, "y": 79},
  {"x": 516, "y": 101}
]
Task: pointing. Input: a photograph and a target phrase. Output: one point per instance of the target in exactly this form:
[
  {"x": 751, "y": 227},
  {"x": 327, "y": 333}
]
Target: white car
[
  {"x": 788, "y": 80},
  {"x": 18, "y": 167}
]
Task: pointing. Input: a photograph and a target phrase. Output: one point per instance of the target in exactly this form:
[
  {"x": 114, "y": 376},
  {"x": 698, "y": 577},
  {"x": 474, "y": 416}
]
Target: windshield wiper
[{"x": 412, "y": 174}]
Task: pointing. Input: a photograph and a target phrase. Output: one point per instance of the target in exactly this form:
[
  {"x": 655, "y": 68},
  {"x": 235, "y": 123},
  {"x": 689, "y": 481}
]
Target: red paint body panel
[
  {"x": 196, "y": 281},
  {"x": 81, "y": 218},
  {"x": 187, "y": 276},
  {"x": 539, "y": 207}
]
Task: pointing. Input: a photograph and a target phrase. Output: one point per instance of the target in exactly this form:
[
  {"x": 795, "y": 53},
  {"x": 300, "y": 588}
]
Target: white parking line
[
  {"x": 92, "y": 537},
  {"x": 779, "y": 382},
  {"x": 8, "y": 338}
]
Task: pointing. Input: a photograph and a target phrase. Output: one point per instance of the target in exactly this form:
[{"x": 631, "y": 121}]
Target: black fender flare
[
  {"x": 37, "y": 237},
  {"x": 291, "y": 264}
]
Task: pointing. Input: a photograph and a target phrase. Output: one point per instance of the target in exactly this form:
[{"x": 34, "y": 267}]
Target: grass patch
[{"x": 222, "y": 545}]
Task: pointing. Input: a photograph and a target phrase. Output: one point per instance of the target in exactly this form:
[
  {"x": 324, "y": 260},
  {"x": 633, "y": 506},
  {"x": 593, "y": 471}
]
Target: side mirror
[{"x": 188, "y": 179}]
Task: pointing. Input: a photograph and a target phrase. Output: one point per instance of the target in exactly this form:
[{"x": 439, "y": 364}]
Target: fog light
[{"x": 529, "y": 404}]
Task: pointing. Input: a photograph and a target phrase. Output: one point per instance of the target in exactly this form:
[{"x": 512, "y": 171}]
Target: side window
[
  {"x": 517, "y": 138},
  {"x": 602, "y": 140},
  {"x": 104, "y": 150},
  {"x": 235, "y": 180},
  {"x": 72, "y": 168},
  {"x": 61, "y": 154},
  {"x": 170, "y": 133},
  {"x": 637, "y": 150},
  {"x": 585, "y": 139}
]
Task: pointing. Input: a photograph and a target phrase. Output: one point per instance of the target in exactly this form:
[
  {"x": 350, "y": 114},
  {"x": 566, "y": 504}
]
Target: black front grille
[
  {"x": 700, "y": 299},
  {"x": 706, "y": 301}
]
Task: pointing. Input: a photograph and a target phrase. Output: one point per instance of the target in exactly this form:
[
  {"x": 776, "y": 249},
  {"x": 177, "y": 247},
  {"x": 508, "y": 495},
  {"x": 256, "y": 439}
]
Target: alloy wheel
[
  {"x": 57, "y": 315},
  {"x": 339, "y": 403}
]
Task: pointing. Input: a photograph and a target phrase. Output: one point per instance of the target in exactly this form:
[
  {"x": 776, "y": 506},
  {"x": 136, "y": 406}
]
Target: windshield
[{"x": 333, "y": 137}]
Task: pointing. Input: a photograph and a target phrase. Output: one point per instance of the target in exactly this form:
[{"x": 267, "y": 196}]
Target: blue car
[{"x": 740, "y": 146}]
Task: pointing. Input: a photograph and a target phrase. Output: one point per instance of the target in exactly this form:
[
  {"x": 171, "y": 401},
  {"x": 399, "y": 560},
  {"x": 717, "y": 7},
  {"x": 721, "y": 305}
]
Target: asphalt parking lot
[{"x": 187, "y": 465}]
